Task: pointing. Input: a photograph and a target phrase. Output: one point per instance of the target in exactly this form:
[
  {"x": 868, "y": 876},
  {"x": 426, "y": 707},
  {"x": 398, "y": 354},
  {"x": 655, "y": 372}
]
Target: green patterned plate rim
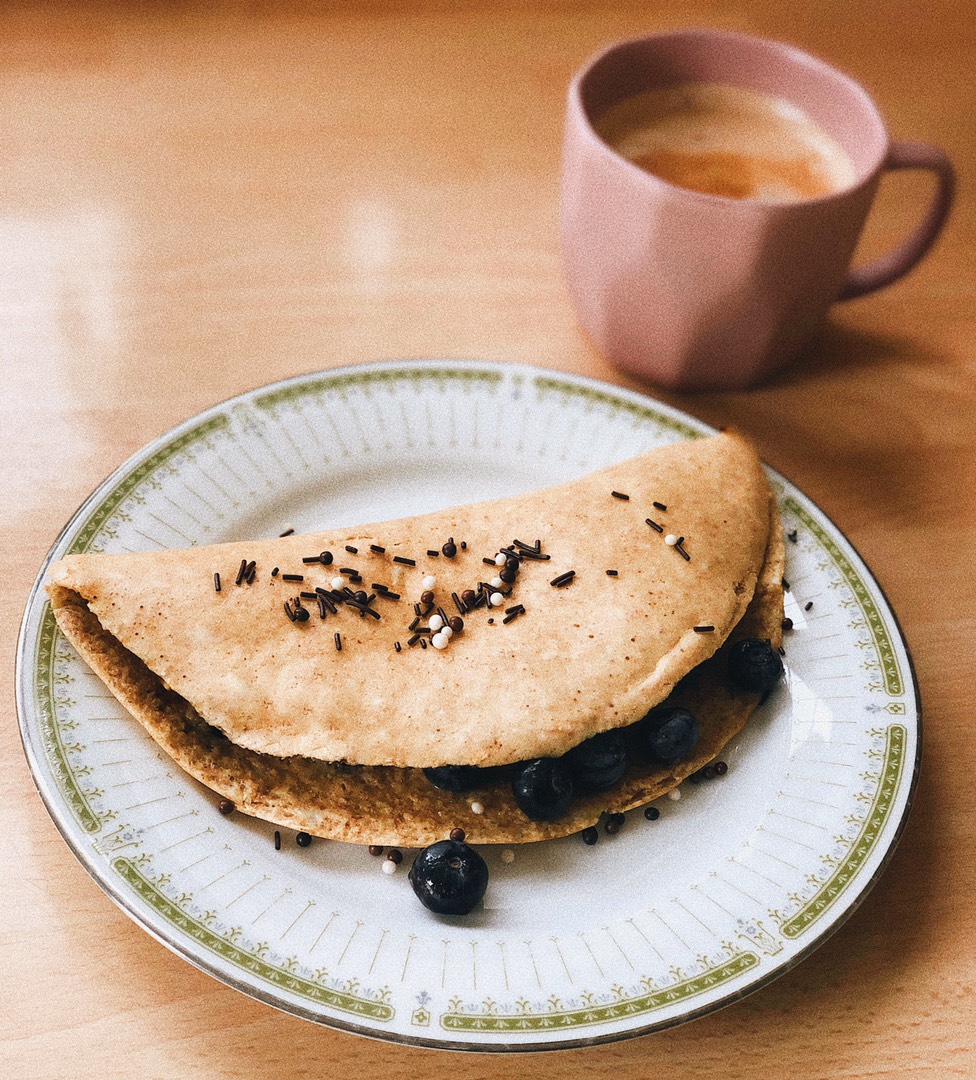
[{"x": 737, "y": 880}]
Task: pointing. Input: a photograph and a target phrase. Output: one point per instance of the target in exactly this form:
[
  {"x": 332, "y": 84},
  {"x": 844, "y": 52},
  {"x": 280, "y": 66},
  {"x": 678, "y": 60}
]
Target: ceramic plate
[{"x": 735, "y": 881}]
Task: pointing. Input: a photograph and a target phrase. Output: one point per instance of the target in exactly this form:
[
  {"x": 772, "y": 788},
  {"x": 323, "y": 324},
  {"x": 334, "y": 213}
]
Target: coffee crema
[{"x": 727, "y": 141}]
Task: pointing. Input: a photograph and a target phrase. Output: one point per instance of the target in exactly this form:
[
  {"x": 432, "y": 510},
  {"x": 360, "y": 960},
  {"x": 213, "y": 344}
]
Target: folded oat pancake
[
  {"x": 260, "y": 704},
  {"x": 386, "y": 805}
]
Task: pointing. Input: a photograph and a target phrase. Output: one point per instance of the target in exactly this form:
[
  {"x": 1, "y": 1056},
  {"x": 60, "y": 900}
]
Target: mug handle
[{"x": 888, "y": 268}]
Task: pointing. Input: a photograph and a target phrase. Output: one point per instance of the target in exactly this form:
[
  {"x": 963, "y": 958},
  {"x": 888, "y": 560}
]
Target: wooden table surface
[{"x": 196, "y": 199}]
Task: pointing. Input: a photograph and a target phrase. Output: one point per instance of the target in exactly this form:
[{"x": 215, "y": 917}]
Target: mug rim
[{"x": 795, "y": 55}]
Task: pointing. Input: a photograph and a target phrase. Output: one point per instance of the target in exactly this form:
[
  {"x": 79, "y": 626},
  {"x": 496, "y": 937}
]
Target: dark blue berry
[
  {"x": 598, "y": 763},
  {"x": 455, "y": 777},
  {"x": 449, "y": 877},
  {"x": 543, "y": 788},
  {"x": 668, "y": 735},
  {"x": 754, "y": 666}
]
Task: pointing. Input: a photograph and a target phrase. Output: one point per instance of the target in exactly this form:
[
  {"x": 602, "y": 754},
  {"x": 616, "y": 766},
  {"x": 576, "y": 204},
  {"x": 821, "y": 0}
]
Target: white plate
[{"x": 732, "y": 885}]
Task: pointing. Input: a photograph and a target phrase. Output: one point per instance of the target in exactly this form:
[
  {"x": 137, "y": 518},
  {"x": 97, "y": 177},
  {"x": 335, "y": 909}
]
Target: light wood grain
[{"x": 197, "y": 199}]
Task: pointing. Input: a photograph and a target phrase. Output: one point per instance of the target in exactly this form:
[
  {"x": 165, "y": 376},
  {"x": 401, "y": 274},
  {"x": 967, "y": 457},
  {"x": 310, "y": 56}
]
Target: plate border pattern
[{"x": 488, "y": 1018}]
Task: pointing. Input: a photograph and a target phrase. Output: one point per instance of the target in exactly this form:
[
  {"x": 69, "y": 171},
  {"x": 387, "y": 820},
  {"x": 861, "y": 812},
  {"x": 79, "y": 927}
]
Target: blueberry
[
  {"x": 754, "y": 666},
  {"x": 598, "y": 763},
  {"x": 455, "y": 777},
  {"x": 668, "y": 734},
  {"x": 543, "y": 788},
  {"x": 449, "y": 877}
]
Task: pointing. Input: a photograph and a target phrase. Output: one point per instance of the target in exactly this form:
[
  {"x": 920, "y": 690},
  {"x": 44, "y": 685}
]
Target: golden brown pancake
[
  {"x": 267, "y": 711},
  {"x": 399, "y": 806}
]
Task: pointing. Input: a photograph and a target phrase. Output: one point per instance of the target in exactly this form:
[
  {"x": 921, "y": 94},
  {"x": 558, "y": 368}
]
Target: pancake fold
[{"x": 259, "y": 703}]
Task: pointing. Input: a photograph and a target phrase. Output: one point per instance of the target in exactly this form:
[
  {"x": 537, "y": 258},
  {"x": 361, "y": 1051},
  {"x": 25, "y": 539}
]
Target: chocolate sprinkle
[
  {"x": 449, "y": 549},
  {"x": 703, "y": 629},
  {"x": 433, "y": 553},
  {"x": 791, "y": 536},
  {"x": 379, "y": 550},
  {"x": 277, "y": 840},
  {"x": 658, "y": 506},
  {"x": 362, "y": 606},
  {"x": 352, "y": 550},
  {"x": 242, "y": 570},
  {"x": 563, "y": 579},
  {"x": 397, "y": 646},
  {"x": 654, "y": 525},
  {"x": 288, "y": 610},
  {"x": 309, "y": 559},
  {"x": 620, "y": 495},
  {"x": 404, "y": 561},
  {"x": 338, "y": 641},
  {"x": 287, "y": 532},
  {"x": 274, "y": 573},
  {"x": 413, "y": 641},
  {"x": 457, "y": 603},
  {"x": 326, "y": 599},
  {"x": 292, "y": 577},
  {"x": 531, "y": 551},
  {"x": 216, "y": 582},
  {"x": 612, "y": 573},
  {"x": 808, "y": 605}
]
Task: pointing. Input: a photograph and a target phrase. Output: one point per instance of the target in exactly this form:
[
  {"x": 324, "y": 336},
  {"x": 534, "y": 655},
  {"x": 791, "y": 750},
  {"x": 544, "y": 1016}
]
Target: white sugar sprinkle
[
  {"x": 500, "y": 559},
  {"x": 435, "y": 622},
  {"x": 674, "y": 794},
  {"x": 429, "y": 581},
  {"x": 508, "y": 856},
  {"x": 338, "y": 582},
  {"x": 496, "y": 599},
  {"x": 439, "y": 641},
  {"x": 495, "y": 583},
  {"x": 670, "y": 539},
  {"x": 477, "y": 808},
  {"x": 447, "y": 632},
  {"x": 389, "y": 867}
]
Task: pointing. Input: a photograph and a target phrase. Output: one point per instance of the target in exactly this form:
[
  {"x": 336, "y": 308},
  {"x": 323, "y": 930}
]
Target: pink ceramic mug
[{"x": 695, "y": 291}]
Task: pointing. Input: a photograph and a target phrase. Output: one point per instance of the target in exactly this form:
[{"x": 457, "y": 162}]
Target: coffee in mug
[
  {"x": 718, "y": 288},
  {"x": 728, "y": 141}
]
